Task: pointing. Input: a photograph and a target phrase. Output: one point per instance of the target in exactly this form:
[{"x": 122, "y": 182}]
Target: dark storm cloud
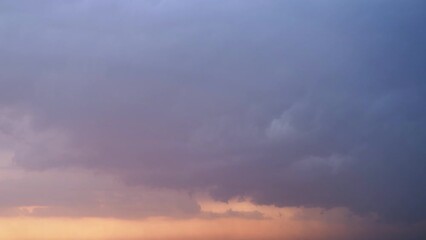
[{"x": 293, "y": 103}]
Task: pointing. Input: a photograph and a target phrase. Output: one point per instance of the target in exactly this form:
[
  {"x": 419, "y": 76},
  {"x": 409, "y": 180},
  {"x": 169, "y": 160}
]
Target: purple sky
[{"x": 289, "y": 103}]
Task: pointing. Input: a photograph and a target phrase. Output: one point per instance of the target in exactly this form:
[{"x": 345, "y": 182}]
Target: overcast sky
[{"x": 133, "y": 109}]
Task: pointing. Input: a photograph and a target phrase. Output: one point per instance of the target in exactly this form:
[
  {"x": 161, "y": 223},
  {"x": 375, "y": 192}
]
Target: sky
[{"x": 213, "y": 119}]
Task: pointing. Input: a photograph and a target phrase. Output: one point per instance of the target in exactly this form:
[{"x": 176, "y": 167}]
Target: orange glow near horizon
[
  {"x": 274, "y": 223},
  {"x": 159, "y": 228}
]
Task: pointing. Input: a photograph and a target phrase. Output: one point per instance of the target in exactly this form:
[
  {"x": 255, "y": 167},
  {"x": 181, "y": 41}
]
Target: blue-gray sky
[{"x": 289, "y": 103}]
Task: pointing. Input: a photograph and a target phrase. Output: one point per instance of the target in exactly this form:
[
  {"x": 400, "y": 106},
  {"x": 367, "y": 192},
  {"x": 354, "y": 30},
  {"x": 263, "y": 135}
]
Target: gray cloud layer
[{"x": 293, "y": 103}]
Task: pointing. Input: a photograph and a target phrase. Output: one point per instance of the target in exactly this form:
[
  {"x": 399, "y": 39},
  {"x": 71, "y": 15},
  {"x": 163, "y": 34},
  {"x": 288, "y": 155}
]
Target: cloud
[
  {"x": 83, "y": 194},
  {"x": 313, "y": 103}
]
